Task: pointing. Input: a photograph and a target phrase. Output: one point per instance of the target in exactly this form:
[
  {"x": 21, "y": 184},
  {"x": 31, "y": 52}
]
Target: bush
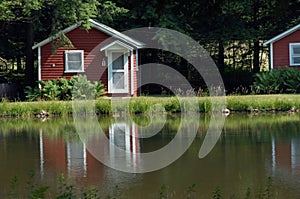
[
  {"x": 282, "y": 80},
  {"x": 63, "y": 89}
]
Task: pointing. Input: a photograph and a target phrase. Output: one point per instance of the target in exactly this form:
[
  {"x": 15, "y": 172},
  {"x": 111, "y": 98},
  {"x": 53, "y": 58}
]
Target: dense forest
[{"x": 232, "y": 31}]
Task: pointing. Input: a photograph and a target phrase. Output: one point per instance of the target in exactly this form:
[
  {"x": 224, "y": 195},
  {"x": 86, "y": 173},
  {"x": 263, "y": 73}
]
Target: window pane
[
  {"x": 118, "y": 80},
  {"x": 296, "y": 60},
  {"x": 118, "y": 61},
  {"x": 296, "y": 49},
  {"x": 74, "y": 56},
  {"x": 74, "y": 65}
]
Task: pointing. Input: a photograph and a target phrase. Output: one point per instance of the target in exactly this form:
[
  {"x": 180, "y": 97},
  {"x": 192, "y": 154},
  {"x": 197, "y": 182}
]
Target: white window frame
[
  {"x": 110, "y": 72},
  {"x": 67, "y": 52},
  {"x": 292, "y": 55}
]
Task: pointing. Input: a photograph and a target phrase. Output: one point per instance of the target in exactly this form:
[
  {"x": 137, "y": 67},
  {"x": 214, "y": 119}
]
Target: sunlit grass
[{"x": 141, "y": 105}]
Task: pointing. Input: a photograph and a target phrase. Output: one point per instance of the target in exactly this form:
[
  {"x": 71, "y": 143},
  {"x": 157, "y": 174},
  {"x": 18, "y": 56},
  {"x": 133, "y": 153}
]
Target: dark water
[{"x": 249, "y": 150}]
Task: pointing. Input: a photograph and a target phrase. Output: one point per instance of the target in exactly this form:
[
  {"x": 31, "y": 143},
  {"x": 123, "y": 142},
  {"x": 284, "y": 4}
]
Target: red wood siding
[
  {"x": 82, "y": 40},
  {"x": 89, "y": 42},
  {"x": 281, "y": 49}
]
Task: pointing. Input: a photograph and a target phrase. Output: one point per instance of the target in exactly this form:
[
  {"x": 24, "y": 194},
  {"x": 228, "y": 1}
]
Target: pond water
[{"x": 250, "y": 149}]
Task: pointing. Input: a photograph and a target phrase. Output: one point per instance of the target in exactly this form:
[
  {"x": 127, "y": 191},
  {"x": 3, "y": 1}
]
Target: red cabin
[
  {"x": 285, "y": 49},
  {"x": 102, "y": 53}
]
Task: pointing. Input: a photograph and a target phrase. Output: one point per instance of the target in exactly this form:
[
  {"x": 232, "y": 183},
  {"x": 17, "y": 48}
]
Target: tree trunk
[
  {"x": 256, "y": 40},
  {"x": 256, "y": 67},
  {"x": 19, "y": 64},
  {"x": 221, "y": 56},
  {"x": 29, "y": 68}
]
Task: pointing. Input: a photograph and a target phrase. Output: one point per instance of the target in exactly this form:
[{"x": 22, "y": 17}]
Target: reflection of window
[
  {"x": 74, "y": 61},
  {"x": 120, "y": 136},
  {"x": 294, "y": 54},
  {"x": 118, "y": 72}
]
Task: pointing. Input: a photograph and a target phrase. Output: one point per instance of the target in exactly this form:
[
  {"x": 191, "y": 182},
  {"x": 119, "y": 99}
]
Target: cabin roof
[{"x": 99, "y": 26}]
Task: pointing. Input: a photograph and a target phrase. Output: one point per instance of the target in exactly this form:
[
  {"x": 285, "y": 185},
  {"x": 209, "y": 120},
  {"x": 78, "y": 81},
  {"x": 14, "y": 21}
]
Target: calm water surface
[{"x": 250, "y": 149}]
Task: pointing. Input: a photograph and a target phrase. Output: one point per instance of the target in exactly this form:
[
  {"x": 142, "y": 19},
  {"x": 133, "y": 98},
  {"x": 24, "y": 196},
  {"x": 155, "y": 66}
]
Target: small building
[
  {"x": 285, "y": 49},
  {"x": 101, "y": 53}
]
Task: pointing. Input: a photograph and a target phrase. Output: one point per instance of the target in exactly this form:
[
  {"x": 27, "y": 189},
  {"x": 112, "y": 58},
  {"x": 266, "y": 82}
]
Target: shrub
[
  {"x": 63, "y": 89},
  {"x": 282, "y": 80}
]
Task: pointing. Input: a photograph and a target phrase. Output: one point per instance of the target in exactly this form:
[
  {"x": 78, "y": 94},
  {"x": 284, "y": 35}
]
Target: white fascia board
[
  {"x": 51, "y": 38},
  {"x": 284, "y": 34},
  {"x": 112, "y": 32},
  {"x": 118, "y": 43}
]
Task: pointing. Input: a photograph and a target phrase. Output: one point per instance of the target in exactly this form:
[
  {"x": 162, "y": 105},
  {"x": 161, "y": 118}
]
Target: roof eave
[
  {"x": 116, "y": 34},
  {"x": 51, "y": 38},
  {"x": 99, "y": 26},
  {"x": 280, "y": 36}
]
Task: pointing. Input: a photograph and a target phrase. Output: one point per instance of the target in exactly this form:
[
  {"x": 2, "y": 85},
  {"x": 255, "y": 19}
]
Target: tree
[{"x": 32, "y": 14}]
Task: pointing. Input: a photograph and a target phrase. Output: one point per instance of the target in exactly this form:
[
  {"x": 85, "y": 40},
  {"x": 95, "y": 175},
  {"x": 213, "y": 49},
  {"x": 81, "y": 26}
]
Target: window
[
  {"x": 295, "y": 54},
  {"x": 118, "y": 71},
  {"x": 74, "y": 61}
]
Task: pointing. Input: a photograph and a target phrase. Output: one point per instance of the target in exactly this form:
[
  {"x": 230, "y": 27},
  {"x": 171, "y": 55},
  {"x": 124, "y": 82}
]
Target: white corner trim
[
  {"x": 271, "y": 57},
  {"x": 39, "y": 66},
  {"x": 131, "y": 73},
  {"x": 137, "y": 60}
]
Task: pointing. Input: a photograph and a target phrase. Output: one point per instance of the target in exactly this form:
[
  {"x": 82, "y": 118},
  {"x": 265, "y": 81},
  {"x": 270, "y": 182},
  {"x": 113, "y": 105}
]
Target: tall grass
[{"x": 142, "y": 105}]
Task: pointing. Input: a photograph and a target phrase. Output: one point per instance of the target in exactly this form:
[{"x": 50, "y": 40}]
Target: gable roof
[
  {"x": 284, "y": 34},
  {"x": 99, "y": 26},
  {"x": 117, "y": 42}
]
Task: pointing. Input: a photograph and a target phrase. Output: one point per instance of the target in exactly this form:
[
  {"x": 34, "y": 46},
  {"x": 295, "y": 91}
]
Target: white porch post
[
  {"x": 39, "y": 66},
  {"x": 271, "y": 56},
  {"x": 131, "y": 73}
]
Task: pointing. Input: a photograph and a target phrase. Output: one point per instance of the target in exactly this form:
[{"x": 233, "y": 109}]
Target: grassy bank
[{"x": 153, "y": 104}]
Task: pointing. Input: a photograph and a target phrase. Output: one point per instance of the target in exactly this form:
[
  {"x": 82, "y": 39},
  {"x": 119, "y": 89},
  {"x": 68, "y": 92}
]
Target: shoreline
[{"x": 147, "y": 104}]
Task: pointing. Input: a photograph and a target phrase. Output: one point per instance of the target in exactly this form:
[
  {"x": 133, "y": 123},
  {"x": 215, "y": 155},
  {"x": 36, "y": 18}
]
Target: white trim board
[{"x": 284, "y": 34}]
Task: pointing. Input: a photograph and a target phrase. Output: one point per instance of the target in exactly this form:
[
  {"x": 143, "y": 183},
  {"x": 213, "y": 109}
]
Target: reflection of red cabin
[
  {"x": 286, "y": 155},
  {"x": 285, "y": 49},
  {"x": 54, "y": 152},
  {"x": 114, "y": 62},
  {"x": 74, "y": 159}
]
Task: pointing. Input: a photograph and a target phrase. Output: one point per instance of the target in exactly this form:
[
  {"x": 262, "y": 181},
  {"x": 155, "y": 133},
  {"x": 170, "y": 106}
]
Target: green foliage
[
  {"x": 282, "y": 80},
  {"x": 217, "y": 193},
  {"x": 190, "y": 192},
  {"x": 13, "y": 185},
  {"x": 33, "y": 94},
  {"x": 267, "y": 192},
  {"x": 35, "y": 192},
  {"x": 78, "y": 87},
  {"x": 164, "y": 192},
  {"x": 65, "y": 190}
]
